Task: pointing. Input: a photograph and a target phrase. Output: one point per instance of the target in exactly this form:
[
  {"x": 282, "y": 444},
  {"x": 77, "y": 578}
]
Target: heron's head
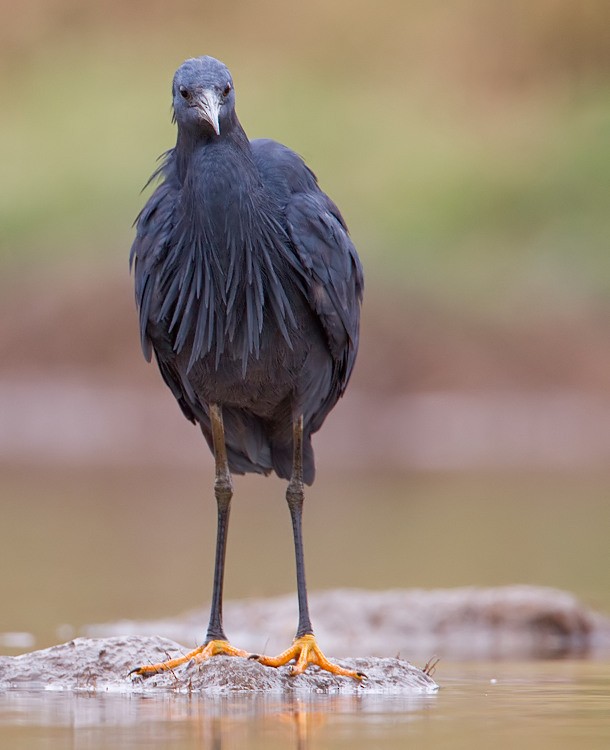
[{"x": 203, "y": 94}]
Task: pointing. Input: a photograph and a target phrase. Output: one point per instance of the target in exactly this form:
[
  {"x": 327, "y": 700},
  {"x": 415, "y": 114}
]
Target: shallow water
[
  {"x": 540, "y": 705},
  {"x": 91, "y": 546},
  {"x": 85, "y": 546}
]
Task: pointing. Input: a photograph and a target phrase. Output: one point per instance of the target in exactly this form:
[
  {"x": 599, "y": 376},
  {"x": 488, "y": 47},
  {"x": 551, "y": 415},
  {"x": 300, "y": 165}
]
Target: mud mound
[
  {"x": 103, "y": 664},
  {"x": 516, "y": 622}
]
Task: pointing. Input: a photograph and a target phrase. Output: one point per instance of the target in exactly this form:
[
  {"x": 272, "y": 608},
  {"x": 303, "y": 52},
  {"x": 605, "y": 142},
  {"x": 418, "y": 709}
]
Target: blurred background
[{"x": 468, "y": 146}]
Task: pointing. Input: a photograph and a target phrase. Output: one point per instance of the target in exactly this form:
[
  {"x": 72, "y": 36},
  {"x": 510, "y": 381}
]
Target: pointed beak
[{"x": 208, "y": 106}]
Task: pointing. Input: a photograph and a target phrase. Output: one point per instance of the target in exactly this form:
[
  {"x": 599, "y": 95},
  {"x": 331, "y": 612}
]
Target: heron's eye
[
  {"x": 227, "y": 90},
  {"x": 184, "y": 92}
]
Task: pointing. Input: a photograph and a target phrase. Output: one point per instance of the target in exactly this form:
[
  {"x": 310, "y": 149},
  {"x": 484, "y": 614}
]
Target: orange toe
[
  {"x": 305, "y": 651},
  {"x": 212, "y": 648}
]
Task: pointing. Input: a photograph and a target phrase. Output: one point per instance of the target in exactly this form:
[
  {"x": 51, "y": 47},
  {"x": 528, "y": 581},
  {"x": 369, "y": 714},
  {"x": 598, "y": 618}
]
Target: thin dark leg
[
  {"x": 223, "y": 490},
  {"x": 216, "y": 641},
  {"x": 295, "y": 495},
  {"x": 304, "y": 650}
]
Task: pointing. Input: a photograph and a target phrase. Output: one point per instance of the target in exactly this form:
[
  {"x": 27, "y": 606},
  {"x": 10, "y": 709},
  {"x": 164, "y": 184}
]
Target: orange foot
[
  {"x": 212, "y": 648},
  {"x": 306, "y": 651}
]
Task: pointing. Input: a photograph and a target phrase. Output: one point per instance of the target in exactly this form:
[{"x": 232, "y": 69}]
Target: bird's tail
[{"x": 281, "y": 456}]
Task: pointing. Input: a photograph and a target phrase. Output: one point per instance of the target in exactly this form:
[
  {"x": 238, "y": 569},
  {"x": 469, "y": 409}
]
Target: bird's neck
[
  {"x": 221, "y": 187},
  {"x": 203, "y": 149}
]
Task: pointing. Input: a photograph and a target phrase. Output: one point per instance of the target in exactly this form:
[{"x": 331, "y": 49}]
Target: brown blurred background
[{"x": 468, "y": 146}]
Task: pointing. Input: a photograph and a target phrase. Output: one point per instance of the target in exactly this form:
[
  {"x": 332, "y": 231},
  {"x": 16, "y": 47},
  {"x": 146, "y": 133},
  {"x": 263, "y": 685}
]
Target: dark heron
[{"x": 249, "y": 290}]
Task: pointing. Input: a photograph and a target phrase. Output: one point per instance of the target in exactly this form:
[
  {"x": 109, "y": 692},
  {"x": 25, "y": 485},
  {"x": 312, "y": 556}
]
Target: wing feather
[{"x": 333, "y": 273}]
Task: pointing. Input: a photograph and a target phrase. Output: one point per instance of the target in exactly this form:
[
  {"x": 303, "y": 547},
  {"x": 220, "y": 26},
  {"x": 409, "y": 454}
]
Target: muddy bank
[
  {"x": 83, "y": 319},
  {"x": 103, "y": 664},
  {"x": 369, "y": 631},
  {"x": 73, "y": 419},
  {"x": 435, "y": 390},
  {"x": 517, "y": 622}
]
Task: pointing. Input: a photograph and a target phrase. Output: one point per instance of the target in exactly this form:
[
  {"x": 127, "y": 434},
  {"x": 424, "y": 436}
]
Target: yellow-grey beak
[{"x": 208, "y": 105}]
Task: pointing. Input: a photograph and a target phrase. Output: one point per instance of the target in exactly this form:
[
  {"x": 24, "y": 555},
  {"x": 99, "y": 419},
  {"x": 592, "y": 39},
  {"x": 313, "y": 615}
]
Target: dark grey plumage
[
  {"x": 247, "y": 283},
  {"x": 249, "y": 293}
]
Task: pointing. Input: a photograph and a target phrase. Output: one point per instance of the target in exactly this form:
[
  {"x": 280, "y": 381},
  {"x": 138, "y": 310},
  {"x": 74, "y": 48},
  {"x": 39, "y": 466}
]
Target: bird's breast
[
  {"x": 229, "y": 303},
  {"x": 258, "y": 385}
]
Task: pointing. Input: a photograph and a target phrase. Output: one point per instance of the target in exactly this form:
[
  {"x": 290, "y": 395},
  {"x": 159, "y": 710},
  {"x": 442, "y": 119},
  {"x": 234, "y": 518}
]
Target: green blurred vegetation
[{"x": 468, "y": 144}]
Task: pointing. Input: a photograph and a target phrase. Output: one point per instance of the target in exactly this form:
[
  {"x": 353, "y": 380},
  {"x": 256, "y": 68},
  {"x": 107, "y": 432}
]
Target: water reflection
[
  {"x": 555, "y": 705},
  {"x": 221, "y": 722}
]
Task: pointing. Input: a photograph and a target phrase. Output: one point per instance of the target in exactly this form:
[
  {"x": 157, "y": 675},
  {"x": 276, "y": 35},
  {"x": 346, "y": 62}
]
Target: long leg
[
  {"x": 304, "y": 649},
  {"x": 223, "y": 490},
  {"x": 216, "y": 640},
  {"x": 295, "y": 495}
]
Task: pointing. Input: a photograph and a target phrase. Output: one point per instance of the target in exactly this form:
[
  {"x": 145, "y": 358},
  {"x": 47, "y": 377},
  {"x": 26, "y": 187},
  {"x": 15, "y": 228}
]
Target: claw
[
  {"x": 212, "y": 648},
  {"x": 306, "y": 651}
]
